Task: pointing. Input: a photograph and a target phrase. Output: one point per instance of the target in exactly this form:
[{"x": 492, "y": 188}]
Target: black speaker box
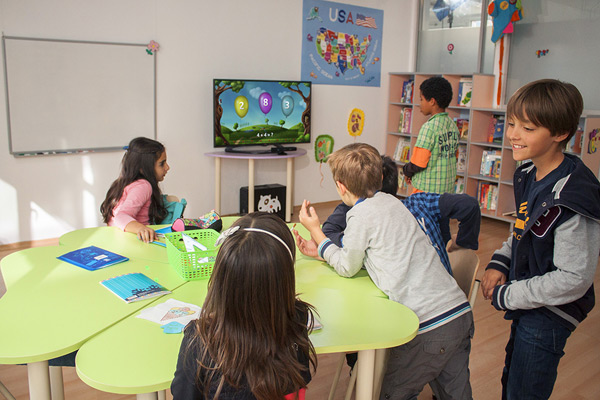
[{"x": 267, "y": 198}]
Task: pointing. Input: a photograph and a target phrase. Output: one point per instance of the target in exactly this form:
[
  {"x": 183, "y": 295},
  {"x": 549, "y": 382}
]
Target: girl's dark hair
[
  {"x": 138, "y": 163},
  {"x": 390, "y": 176},
  {"x": 549, "y": 103},
  {"x": 437, "y": 88},
  {"x": 252, "y": 326}
]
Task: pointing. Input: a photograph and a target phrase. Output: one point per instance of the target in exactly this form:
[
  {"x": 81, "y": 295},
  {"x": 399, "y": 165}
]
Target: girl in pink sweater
[{"x": 134, "y": 200}]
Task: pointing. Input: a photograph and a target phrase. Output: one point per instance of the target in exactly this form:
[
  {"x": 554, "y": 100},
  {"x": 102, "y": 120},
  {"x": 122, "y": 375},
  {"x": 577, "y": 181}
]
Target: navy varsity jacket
[{"x": 528, "y": 259}]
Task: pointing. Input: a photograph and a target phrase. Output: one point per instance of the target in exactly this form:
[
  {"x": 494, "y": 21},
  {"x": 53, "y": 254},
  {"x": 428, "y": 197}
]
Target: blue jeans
[{"x": 532, "y": 354}]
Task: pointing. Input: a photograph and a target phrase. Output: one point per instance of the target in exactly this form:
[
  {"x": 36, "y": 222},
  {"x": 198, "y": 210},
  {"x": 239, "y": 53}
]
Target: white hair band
[{"x": 228, "y": 232}]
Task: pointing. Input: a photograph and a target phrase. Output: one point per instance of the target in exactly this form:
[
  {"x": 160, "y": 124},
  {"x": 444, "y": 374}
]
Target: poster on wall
[{"x": 341, "y": 44}]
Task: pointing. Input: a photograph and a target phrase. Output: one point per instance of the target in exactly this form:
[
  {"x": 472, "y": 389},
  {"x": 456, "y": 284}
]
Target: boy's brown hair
[
  {"x": 549, "y": 103},
  {"x": 359, "y": 167}
]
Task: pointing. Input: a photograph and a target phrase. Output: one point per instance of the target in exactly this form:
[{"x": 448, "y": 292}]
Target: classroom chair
[{"x": 464, "y": 264}]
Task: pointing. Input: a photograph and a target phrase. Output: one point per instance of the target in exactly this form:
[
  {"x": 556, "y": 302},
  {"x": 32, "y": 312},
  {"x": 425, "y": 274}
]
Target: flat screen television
[{"x": 261, "y": 113}]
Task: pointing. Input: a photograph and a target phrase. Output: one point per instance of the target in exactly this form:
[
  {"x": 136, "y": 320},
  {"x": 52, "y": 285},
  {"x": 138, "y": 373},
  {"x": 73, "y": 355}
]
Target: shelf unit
[{"x": 479, "y": 114}]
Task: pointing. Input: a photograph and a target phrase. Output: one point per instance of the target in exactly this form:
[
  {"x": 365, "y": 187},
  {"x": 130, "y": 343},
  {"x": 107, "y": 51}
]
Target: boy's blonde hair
[
  {"x": 549, "y": 103},
  {"x": 359, "y": 167}
]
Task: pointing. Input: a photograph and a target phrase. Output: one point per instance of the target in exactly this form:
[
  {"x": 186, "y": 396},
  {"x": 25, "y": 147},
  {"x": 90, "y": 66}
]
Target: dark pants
[
  {"x": 532, "y": 354},
  {"x": 439, "y": 357}
]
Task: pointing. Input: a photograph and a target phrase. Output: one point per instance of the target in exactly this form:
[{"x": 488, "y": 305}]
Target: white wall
[{"x": 46, "y": 196}]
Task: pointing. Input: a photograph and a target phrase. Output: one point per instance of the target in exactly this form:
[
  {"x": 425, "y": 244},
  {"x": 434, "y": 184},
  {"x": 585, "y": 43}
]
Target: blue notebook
[
  {"x": 134, "y": 286},
  {"x": 92, "y": 258}
]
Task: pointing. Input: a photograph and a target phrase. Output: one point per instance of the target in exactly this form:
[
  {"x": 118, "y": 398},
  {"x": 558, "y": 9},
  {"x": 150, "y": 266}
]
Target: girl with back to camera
[
  {"x": 251, "y": 340},
  {"x": 134, "y": 200}
]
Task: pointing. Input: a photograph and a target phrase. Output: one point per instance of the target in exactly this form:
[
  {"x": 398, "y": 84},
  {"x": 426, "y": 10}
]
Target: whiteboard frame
[{"x": 81, "y": 150}]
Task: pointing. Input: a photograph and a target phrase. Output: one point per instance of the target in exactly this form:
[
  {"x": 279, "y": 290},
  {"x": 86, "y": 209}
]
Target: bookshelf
[{"x": 479, "y": 140}]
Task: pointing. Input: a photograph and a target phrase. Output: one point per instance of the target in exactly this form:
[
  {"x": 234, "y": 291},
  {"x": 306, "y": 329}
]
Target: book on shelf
[
  {"x": 496, "y": 129},
  {"x": 407, "y": 91},
  {"x": 401, "y": 121},
  {"x": 576, "y": 143},
  {"x": 465, "y": 90},
  {"x": 459, "y": 185},
  {"x": 402, "y": 153},
  {"x": 461, "y": 158},
  {"x": 406, "y": 119},
  {"x": 463, "y": 127},
  {"x": 92, "y": 258},
  {"x": 487, "y": 195},
  {"x": 134, "y": 286},
  {"x": 490, "y": 163},
  {"x": 402, "y": 184}
]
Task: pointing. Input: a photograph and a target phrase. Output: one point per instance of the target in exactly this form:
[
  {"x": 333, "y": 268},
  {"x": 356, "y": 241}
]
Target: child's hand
[
  {"x": 309, "y": 248},
  {"x": 147, "y": 234},
  {"x": 491, "y": 279},
  {"x": 308, "y": 217}
]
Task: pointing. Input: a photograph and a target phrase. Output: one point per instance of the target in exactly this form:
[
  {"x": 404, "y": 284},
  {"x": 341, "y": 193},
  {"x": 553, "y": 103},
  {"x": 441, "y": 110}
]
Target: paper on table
[
  {"x": 171, "y": 311},
  {"x": 317, "y": 324}
]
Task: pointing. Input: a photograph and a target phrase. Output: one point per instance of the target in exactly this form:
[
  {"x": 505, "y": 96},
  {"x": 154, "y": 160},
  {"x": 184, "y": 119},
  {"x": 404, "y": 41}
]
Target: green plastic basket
[{"x": 192, "y": 265}]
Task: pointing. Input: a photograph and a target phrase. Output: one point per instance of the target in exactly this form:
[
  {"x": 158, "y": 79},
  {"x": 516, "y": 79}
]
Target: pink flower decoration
[{"x": 153, "y": 46}]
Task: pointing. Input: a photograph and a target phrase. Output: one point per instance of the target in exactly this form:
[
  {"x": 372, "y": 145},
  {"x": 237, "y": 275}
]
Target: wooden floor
[{"x": 579, "y": 370}]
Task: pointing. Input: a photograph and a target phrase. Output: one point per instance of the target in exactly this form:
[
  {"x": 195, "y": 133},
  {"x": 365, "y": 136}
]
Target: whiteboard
[{"x": 67, "y": 96}]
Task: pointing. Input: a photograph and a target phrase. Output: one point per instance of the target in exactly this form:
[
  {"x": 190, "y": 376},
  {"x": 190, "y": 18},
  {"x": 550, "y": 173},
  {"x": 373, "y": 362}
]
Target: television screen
[{"x": 253, "y": 112}]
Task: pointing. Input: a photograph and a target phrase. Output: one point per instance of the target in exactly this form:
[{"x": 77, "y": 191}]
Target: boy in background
[
  {"x": 382, "y": 235},
  {"x": 429, "y": 209},
  {"x": 432, "y": 166},
  {"x": 543, "y": 275}
]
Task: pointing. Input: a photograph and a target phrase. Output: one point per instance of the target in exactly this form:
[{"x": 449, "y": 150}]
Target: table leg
[
  {"x": 162, "y": 395},
  {"x": 364, "y": 379},
  {"x": 147, "y": 396},
  {"x": 336, "y": 377},
  {"x": 5, "y": 392},
  {"x": 288, "y": 190},
  {"x": 218, "y": 185},
  {"x": 381, "y": 357},
  {"x": 57, "y": 387},
  {"x": 250, "y": 186},
  {"x": 39, "y": 380}
]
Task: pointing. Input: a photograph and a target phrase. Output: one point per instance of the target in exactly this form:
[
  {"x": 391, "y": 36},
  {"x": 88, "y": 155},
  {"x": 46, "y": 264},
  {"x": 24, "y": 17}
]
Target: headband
[{"x": 228, "y": 232}]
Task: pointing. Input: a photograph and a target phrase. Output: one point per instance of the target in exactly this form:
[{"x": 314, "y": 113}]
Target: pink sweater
[{"x": 133, "y": 205}]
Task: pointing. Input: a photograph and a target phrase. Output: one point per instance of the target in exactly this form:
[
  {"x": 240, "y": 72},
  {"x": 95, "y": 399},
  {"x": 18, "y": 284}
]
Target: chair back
[{"x": 464, "y": 263}]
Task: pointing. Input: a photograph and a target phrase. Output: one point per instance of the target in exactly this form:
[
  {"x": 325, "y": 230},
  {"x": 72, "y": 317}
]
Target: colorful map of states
[{"x": 342, "y": 49}]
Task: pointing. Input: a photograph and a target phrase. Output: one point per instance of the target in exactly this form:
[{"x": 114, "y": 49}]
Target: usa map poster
[{"x": 341, "y": 44}]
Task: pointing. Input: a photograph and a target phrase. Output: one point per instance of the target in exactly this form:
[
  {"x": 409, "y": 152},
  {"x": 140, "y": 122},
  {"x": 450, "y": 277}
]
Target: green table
[
  {"x": 136, "y": 357},
  {"x": 52, "y": 307}
]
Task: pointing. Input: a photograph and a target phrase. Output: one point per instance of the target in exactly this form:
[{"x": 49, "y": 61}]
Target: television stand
[{"x": 218, "y": 155}]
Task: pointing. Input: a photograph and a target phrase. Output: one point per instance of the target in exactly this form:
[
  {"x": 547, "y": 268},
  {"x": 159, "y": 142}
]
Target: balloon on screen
[
  {"x": 287, "y": 105},
  {"x": 241, "y": 106},
  {"x": 265, "y": 102}
]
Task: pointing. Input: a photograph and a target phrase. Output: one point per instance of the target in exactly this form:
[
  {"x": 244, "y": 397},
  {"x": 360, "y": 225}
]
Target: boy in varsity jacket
[{"x": 543, "y": 274}]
